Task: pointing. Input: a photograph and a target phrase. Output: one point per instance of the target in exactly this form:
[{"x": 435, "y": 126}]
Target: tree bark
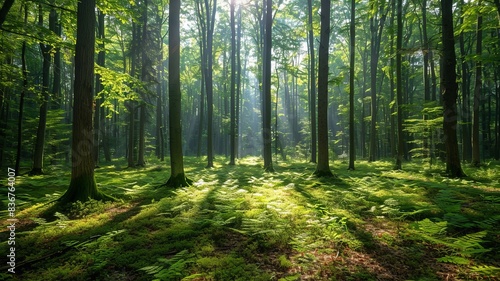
[
  {"x": 233, "y": 87},
  {"x": 352, "y": 133},
  {"x": 5, "y": 10},
  {"x": 399, "y": 84},
  {"x": 476, "y": 159},
  {"x": 323, "y": 166},
  {"x": 266, "y": 125},
  {"x": 312, "y": 81},
  {"x": 37, "y": 168},
  {"x": 449, "y": 91},
  {"x": 21, "y": 100},
  {"x": 83, "y": 185},
  {"x": 177, "y": 176}
]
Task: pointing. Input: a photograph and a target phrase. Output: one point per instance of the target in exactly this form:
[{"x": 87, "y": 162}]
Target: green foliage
[
  {"x": 235, "y": 223},
  {"x": 85, "y": 209}
]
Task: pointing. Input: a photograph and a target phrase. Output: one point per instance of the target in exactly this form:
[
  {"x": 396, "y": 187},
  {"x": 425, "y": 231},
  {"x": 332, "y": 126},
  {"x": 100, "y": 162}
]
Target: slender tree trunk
[
  {"x": 312, "y": 82},
  {"x": 42, "y": 121},
  {"x": 177, "y": 176},
  {"x": 21, "y": 100},
  {"x": 238, "y": 81},
  {"x": 426, "y": 76},
  {"x": 399, "y": 84},
  {"x": 83, "y": 185},
  {"x": 352, "y": 133},
  {"x": 210, "y": 23},
  {"x": 266, "y": 125},
  {"x": 99, "y": 87},
  {"x": 323, "y": 166},
  {"x": 376, "y": 27},
  {"x": 233, "y": 87},
  {"x": 476, "y": 159},
  {"x": 131, "y": 135},
  {"x": 141, "y": 162},
  {"x": 449, "y": 91}
]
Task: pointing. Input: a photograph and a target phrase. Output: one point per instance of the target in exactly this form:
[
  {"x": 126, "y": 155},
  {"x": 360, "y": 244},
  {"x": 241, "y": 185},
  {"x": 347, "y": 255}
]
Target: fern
[
  {"x": 454, "y": 260},
  {"x": 486, "y": 270},
  {"x": 431, "y": 228},
  {"x": 174, "y": 267},
  {"x": 469, "y": 244}
]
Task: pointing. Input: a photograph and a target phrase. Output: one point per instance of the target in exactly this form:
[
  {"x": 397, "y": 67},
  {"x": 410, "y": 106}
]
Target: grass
[{"x": 239, "y": 223}]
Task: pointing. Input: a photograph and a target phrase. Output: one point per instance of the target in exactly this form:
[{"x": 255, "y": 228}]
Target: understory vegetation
[{"x": 238, "y": 223}]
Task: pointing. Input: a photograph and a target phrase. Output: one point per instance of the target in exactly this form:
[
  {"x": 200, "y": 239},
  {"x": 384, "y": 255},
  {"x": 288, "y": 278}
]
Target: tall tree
[
  {"x": 476, "y": 159},
  {"x": 83, "y": 184},
  {"x": 399, "y": 84},
  {"x": 177, "y": 175},
  {"x": 352, "y": 52},
  {"x": 42, "y": 119},
  {"x": 208, "y": 26},
  {"x": 449, "y": 90},
  {"x": 376, "y": 27},
  {"x": 312, "y": 82},
  {"x": 21, "y": 99},
  {"x": 233, "y": 86},
  {"x": 99, "y": 87},
  {"x": 266, "y": 76},
  {"x": 323, "y": 166}
]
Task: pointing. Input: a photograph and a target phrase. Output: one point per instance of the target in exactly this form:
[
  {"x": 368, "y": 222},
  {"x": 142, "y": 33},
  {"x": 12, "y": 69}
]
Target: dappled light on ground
[{"x": 239, "y": 223}]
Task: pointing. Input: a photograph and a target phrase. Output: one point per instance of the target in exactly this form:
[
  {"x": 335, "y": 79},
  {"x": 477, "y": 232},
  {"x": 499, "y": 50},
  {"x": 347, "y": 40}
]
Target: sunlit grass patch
[{"x": 238, "y": 222}]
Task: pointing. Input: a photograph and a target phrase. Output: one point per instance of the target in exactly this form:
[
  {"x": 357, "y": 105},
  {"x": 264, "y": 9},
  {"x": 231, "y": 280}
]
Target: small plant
[{"x": 84, "y": 209}]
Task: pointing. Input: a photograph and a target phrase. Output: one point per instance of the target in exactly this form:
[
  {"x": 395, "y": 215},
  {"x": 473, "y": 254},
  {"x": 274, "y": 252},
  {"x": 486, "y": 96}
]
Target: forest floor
[{"x": 239, "y": 223}]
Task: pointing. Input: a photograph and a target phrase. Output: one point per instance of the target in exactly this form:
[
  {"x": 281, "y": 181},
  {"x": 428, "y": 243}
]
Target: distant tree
[
  {"x": 266, "y": 124},
  {"x": 476, "y": 159},
  {"x": 376, "y": 27},
  {"x": 46, "y": 49},
  {"x": 21, "y": 99},
  {"x": 232, "y": 133},
  {"x": 323, "y": 166},
  {"x": 449, "y": 91},
  {"x": 83, "y": 185},
  {"x": 206, "y": 11},
  {"x": 312, "y": 90},
  {"x": 177, "y": 175},
  {"x": 352, "y": 52},
  {"x": 399, "y": 84}
]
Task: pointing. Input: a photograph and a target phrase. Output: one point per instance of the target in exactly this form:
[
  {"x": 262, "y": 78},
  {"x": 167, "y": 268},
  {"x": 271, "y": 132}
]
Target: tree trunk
[
  {"x": 233, "y": 87},
  {"x": 210, "y": 23},
  {"x": 376, "y": 27},
  {"x": 312, "y": 81},
  {"x": 99, "y": 87},
  {"x": 352, "y": 133},
  {"x": 141, "y": 162},
  {"x": 238, "y": 81},
  {"x": 37, "y": 168},
  {"x": 449, "y": 92},
  {"x": 476, "y": 159},
  {"x": 5, "y": 10},
  {"x": 21, "y": 100},
  {"x": 83, "y": 185},
  {"x": 266, "y": 84},
  {"x": 177, "y": 176},
  {"x": 323, "y": 166},
  {"x": 399, "y": 84}
]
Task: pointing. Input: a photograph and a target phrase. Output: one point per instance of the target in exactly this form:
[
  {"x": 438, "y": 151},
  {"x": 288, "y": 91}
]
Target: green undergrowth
[{"x": 239, "y": 223}]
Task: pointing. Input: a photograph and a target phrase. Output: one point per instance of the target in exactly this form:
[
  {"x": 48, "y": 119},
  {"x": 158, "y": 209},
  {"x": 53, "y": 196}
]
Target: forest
[{"x": 250, "y": 140}]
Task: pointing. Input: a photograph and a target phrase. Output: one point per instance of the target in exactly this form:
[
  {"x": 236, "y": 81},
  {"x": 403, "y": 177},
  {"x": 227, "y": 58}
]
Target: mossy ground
[{"x": 240, "y": 223}]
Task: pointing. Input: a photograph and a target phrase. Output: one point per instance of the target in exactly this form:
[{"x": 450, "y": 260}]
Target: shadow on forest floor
[{"x": 239, "y": 223}]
